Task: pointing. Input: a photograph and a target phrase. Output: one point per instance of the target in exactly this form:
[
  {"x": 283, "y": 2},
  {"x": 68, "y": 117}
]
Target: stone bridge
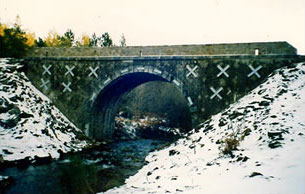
[{"x": 86, "y": 84}]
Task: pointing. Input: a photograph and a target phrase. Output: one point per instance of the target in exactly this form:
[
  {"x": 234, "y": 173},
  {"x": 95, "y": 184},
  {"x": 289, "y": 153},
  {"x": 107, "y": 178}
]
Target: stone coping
[{"x": 165, "y": 57}]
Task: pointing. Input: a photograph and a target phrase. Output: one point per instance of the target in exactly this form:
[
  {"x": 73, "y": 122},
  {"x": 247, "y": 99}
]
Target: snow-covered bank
[
  {"x": 30, "y": 126},
  {"x": 268, "y": 128}
]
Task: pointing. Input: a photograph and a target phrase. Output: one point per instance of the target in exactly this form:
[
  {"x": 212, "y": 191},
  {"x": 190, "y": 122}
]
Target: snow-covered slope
[
  {"x": 29, "y": 125},
  {"x": 268, "y": 128}
]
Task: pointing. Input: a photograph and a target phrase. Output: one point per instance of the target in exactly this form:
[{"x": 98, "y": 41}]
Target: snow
[
  {"x": 3, "y": 178},
  {"x": 29, "y": 125},
  {"x": 131, "y": 129},
  {"x": 269, "y": 159}
]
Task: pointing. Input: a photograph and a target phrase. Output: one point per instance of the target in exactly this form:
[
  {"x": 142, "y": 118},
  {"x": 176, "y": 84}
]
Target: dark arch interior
[{"x": 106, "y": 104}]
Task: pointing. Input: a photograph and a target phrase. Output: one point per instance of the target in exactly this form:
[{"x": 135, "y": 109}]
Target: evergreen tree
[
  {"x": 69, "y": 35},
  {"x": 67, "y": 39},
  {"x": 94, "y": 41},
  {"x": 106, "y": 40},
  {"x": 13, "y": 41},
  {"x": 40, "y": 43}
]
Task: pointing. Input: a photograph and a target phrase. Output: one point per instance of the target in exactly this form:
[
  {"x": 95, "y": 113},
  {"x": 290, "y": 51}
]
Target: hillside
[
  {"x": 257, "y": 145},
  {"x": 30, "y": 126}
]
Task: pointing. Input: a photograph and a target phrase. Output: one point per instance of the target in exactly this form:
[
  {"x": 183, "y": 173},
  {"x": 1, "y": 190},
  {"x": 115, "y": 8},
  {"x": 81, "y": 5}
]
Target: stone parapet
[{"x": 257, "y": 48}]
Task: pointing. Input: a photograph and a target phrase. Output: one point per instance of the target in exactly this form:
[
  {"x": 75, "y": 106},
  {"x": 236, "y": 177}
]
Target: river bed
[{"x": 84, "y": 172}]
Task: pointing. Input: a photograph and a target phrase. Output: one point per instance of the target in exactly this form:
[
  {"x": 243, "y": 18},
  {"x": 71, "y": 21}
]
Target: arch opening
[{"x": 107, "y": 103}]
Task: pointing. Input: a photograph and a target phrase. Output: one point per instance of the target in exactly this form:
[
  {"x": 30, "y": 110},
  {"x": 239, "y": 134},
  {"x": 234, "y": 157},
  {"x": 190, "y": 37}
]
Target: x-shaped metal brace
[
  {"x": 93, "y": 72},
  {"x": 223, "y": 71},
  {"x": 70, "y": 70},
  {"x": 216, "y": 92},
  {"x": 46, "y": 69},
  {"x": 44, "y": 84},
  {"x": 191, "y": 71},
  {"x": 254, "y": 71},
  {"x": 66, "y": 87}
]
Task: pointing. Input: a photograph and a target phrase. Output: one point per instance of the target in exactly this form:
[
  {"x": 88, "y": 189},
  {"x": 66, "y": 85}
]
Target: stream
[{"x": 84, "y": 172}]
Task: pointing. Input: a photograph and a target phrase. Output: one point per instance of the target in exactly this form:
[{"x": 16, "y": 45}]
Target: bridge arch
[{"x": 105, "y": 105}]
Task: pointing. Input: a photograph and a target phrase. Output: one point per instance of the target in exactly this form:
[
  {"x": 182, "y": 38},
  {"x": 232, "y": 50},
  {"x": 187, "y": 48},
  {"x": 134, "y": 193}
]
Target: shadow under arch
[{"x": 106, "y": 103}]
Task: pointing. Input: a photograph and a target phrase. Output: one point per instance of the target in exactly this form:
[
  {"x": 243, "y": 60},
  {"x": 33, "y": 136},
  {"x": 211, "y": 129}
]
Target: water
[{"x": 85, "y": 172}]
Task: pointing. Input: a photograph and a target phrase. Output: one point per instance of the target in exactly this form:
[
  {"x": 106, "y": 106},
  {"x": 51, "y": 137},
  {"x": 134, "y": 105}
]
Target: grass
[{"x": 232, "y": 141}]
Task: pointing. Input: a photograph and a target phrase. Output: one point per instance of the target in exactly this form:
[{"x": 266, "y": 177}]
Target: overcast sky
[{"x": 165, "y": 22}]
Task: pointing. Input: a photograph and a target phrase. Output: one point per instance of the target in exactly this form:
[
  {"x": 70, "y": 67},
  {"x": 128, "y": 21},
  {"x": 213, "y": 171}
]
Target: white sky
[{"x": 165, "y": 22}]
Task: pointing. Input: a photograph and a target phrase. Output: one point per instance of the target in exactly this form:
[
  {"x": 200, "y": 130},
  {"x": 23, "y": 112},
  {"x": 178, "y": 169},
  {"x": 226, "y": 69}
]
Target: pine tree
[{"x": 106, "y": 40}]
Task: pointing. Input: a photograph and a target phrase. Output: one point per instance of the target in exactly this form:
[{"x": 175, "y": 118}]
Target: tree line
[
  {"x": 68, "y": 40},
  {"x": 15, "y": 41}
]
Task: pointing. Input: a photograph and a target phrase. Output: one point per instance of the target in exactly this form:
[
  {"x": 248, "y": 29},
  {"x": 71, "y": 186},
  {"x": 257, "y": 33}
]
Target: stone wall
[{"x": 260, "y": 48}]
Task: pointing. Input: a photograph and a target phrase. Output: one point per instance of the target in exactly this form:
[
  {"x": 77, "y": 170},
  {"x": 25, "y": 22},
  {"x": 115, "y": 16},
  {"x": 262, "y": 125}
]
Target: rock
[
  {"x": 282, "y": 91},
  {"x": 247, "y": 132},
  {"x": 24, "y": 163},
  {"x": 173, "y": 152},
  {"x": 268, "y": 98},
  {"x": 261, "y": 91},
  {"x": 219, "y": 141},
  {"x": 253, "y": 174},
  {"x": 42, "y": 160},
  {"x": 242, "y": 159},
  {"x": 245, "y": 159},
  {"x": 275, "y": 134},
  {"x": 264, "y": 103},
  {"x": 12, "y": 118},
  {"x": 15, "y": 98},
  {"x": 239, "y": 159},
  {"x": 235, "y": 114},
  {"x": 257, "y": 108},
  {"x": 192, "y": 146},
  {"x": 208, "y": 128},
  {"x": 222, "y": 122},
  {"x": 4, "y": 105},
  {"x": 5, "y": 151},
  {"x": 275, "y": 123},
  {"x": 209, "y": 164},
  {"x": 25, "y": 115},
  {"x": 274, "y": 144}
]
